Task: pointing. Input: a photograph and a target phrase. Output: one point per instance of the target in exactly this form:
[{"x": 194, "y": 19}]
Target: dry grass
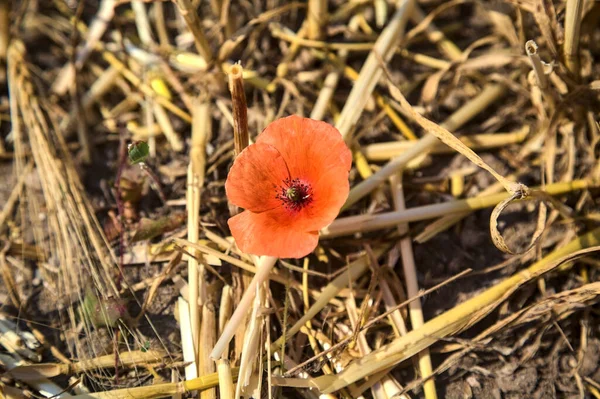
[{"x": 445, "y": 105}]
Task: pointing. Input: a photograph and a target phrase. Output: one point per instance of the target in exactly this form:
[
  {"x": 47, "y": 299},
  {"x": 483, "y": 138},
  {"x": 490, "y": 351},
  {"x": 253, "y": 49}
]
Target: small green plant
[{"x": 138, "y": 152}]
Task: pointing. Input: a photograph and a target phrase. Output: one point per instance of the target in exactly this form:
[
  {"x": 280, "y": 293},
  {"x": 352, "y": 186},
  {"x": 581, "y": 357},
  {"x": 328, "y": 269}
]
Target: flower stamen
[{"x": 294, "y": 194}]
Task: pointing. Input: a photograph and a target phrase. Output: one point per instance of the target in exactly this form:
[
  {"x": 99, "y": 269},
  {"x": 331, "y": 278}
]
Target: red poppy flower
[{"x": 292, "y": 182}]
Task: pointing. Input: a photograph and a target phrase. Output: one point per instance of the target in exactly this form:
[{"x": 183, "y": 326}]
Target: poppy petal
[
  {"x": 330, "y": 192},
  {"x": 308, "y": 147},
  {"x": 255, "y": 177},
  {"x": 262, "y": 234}
]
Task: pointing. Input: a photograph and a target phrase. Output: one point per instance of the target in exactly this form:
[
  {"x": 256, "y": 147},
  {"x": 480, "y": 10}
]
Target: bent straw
[
  {"x": 450, "y": 322},
  {"x": 447, "y": 221},
  {"x": 364, "y": 223},
  {"x": 488, "y": 95}
]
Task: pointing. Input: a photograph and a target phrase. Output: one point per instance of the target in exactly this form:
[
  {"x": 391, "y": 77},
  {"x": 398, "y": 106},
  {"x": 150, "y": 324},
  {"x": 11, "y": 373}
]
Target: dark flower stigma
[{"x": 294, "y": 194}]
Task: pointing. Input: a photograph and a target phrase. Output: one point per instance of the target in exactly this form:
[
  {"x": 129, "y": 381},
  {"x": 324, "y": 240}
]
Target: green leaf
[{"x": 138, "y": 152}]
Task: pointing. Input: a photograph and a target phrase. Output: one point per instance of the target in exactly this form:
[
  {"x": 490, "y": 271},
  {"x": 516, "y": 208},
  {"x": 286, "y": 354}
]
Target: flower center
[{"x": 294, "y": 194}]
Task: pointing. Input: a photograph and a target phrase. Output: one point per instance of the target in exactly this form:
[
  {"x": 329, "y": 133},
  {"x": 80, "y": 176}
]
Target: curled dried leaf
[{"x": 519, "y": 193}]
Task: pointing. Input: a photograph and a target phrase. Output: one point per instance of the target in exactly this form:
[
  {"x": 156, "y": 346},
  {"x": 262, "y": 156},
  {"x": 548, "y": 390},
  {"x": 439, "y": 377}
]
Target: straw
[
  {"x": 371, "y": 71},
  {"x": 195, "y": 182},
  {"x": 531, "y": 48},
  {"x": 264, "y": 267},
  {"x": 192, "y": 21},
  {"x": 412, "y": 286},
  {"x": 573, "y": 17},
  {"x": 385, "y": 151},
  {"x": 316, "y": 18},
  {"x": 226, "y": 389},
  {"x": 365, "y": 223}
]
